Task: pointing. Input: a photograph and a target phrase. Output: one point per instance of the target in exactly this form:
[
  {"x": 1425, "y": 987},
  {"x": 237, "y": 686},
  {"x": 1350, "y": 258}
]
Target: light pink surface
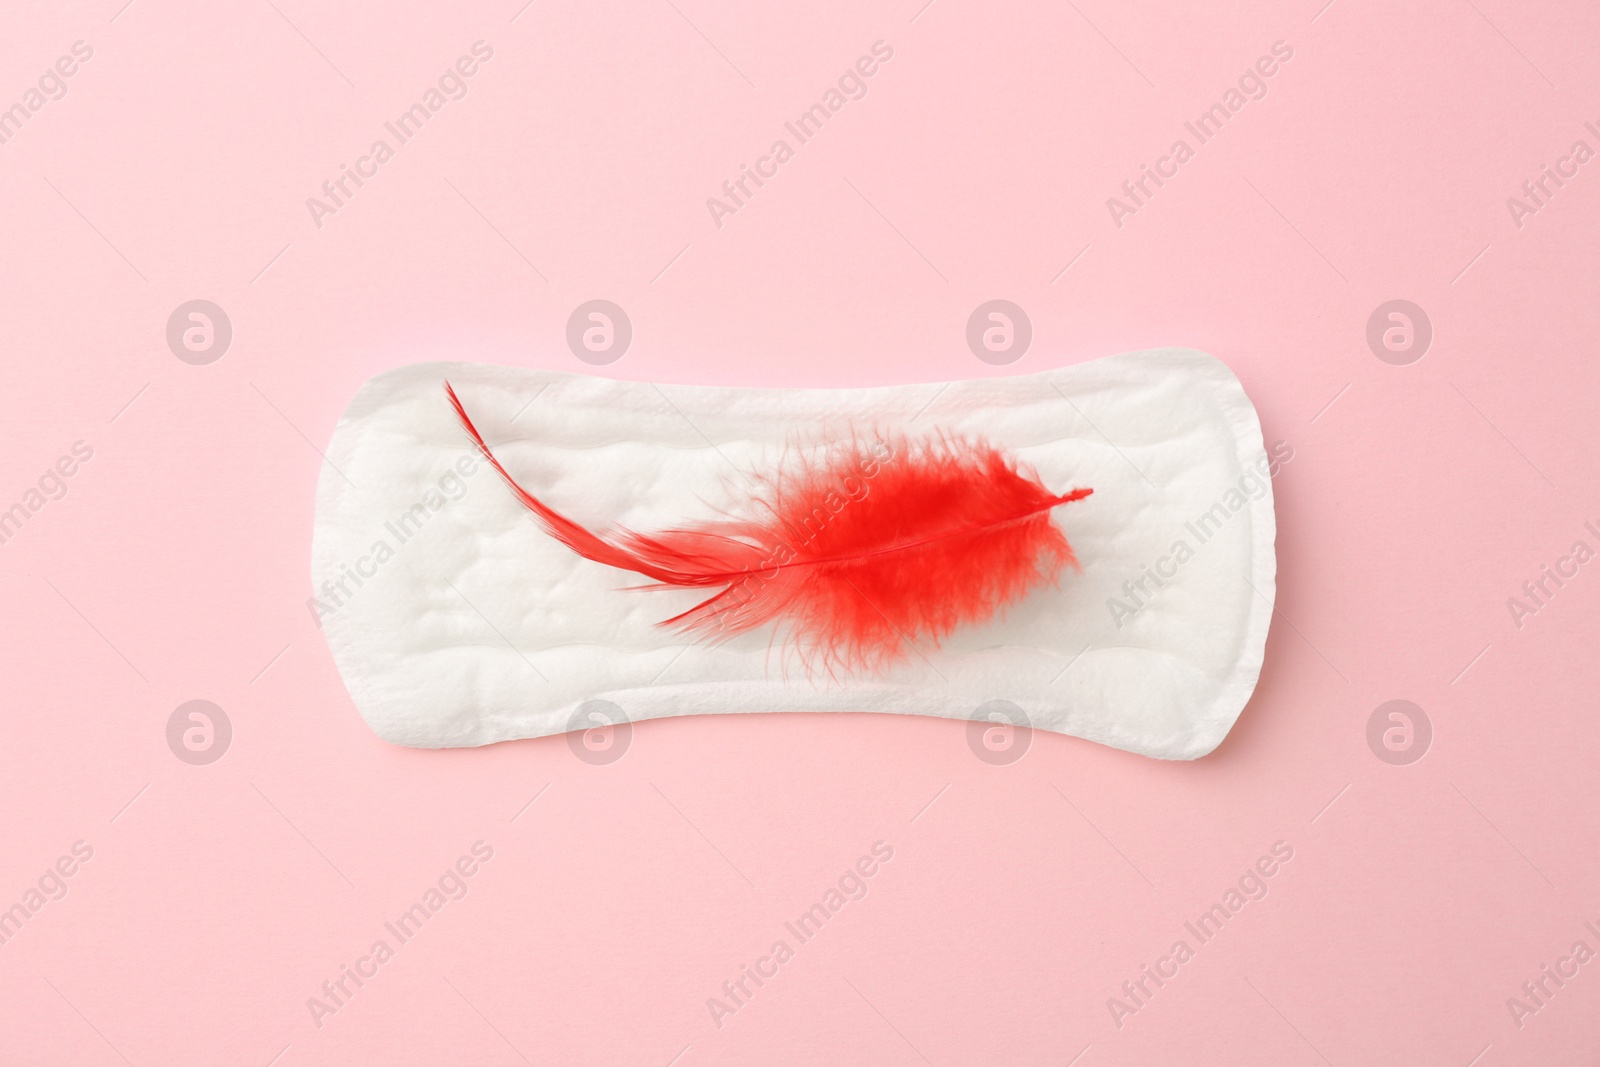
[{"x": 220, "y": 898}]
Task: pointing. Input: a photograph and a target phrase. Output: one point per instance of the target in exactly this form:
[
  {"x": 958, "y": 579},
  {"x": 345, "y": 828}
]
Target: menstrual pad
[{"x": 456, "y": 619}]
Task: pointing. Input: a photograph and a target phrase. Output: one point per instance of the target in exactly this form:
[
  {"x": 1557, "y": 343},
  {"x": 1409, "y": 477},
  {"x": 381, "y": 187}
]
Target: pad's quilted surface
[{"x": 456, "y": 621}]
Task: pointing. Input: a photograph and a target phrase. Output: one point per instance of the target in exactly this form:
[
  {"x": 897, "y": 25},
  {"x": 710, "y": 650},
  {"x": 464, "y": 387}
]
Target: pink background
[{"x": 220, "y": 898}]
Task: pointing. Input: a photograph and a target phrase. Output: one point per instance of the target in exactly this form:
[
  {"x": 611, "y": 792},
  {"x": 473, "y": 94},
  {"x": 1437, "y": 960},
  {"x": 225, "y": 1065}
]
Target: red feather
[{"x": 870, "y": 550}]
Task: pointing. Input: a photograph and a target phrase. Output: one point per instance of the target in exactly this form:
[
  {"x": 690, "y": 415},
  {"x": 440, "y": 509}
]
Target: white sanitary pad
[{"x": 456, "y": 620}]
